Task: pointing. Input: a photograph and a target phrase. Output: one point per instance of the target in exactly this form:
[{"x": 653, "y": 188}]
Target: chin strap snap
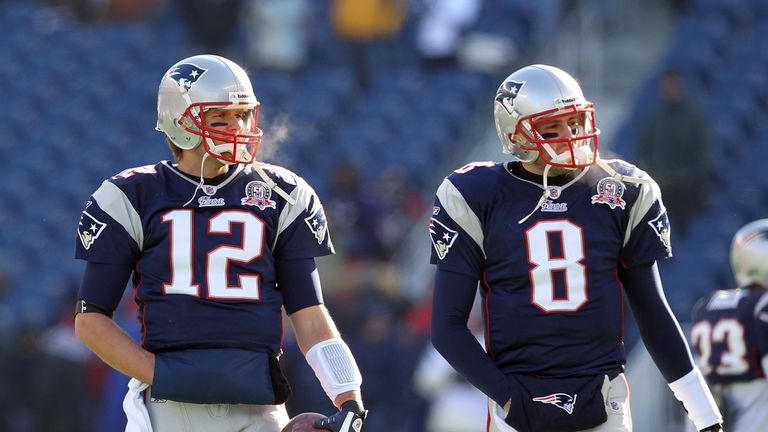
[
  {"x": 271, "y": 183},
  {"x": 619, "y": 177}
]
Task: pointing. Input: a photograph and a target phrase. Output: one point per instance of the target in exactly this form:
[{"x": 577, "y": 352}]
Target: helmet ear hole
[{"x": 187, "y": 122}]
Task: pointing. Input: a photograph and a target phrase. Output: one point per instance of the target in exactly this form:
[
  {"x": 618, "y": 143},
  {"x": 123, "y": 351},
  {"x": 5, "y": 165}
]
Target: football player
[
  {"x": 730, "y": 334},
  {"x": 215, "y": 244},
  {"x": 556, "y": 237}
]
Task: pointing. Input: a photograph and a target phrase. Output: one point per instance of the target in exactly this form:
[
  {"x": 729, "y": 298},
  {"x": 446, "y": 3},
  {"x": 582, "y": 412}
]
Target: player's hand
[
  {"x": 349, "y": 419},
  {"x": 714, "y": 428}
]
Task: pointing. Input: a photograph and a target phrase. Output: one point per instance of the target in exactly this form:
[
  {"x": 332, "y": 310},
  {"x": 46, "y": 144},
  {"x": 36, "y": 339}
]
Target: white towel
[{"x": 135, "y": 409}]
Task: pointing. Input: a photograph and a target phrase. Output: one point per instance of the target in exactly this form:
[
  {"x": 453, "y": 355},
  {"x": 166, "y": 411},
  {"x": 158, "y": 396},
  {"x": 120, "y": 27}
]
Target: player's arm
[
  {"x": 667, "y": 345},
  {"x": 452, "y": 301},
  {"x": 99, "y": 295},
  {"x": 320, "y": 342},
  {"x": 761, "y": 329}
]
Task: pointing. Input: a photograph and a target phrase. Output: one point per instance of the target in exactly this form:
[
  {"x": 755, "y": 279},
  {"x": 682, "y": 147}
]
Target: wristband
[
  {"x": 334, "y": 367},
  {"x": 697, "y": 400}
]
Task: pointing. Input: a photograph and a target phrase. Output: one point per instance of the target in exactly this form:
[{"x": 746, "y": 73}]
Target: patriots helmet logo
[
  {"x": 442, "y": 237},
  {"x": 563, "y": 401},
  {"x": 186, "y": 74},
  {"x": 507, "y": 94}
]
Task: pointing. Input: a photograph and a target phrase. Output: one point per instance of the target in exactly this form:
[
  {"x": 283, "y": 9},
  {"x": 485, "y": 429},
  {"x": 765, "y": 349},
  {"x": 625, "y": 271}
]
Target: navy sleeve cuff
[{"x": 299, "y": 282}]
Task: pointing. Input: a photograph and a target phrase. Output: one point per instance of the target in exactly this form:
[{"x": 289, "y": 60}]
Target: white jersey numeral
[
  {"x": 546, "y": 266},
  {"x": 472, "y": 165},
  {"x": 733, "y": 361},
  {"x": 218, "y": 260}
]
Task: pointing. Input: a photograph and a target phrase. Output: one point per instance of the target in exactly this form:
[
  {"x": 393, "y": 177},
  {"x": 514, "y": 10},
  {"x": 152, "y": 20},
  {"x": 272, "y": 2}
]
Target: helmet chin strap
[
  {"x": 586, "y": 152},
  {"x": 545, "y": 196},
  {"x": 581, "y": 151},
  {"x": 218, "y": 149},
  {"x": 271, "y": 183},
  {"x": 201, "y": 182},
  {"x": 221, "y": 148}
]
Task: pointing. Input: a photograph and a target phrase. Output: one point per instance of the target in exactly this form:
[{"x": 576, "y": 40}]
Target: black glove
[
  {"x": 717, "y": 427},
  {"x": 349, "y": 419}
]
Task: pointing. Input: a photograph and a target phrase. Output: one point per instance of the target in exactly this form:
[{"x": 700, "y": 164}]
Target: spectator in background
[
  {"x": 18, "y": 368},
  {"x": 454, "y": 404},
  {"x": 440, "y": 29},
  {"x": 276, "y": 33},
  {"x": 103, "y": 10},
  {"x": 212, "y": 24},
  {"x": 377, "y": 349},
  {"x": 62, "y": 385},
  {"x": 370, "y": 29},
  {"x": 675, "y": 147},
  {"x": 404, "y": 206},
  {"x": 356, "y": 213}
]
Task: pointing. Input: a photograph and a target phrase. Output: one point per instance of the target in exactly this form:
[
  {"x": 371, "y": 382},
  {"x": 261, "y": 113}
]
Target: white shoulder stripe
[
  {"x": 649, "y": 193},
  {"x": 114, "y": 203},
  {"x": 458, "y": 209},
  {"x": 303, "y": 194}
]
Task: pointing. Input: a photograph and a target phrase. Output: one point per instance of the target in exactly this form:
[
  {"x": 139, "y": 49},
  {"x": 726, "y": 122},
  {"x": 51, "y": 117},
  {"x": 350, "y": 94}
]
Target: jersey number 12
[{"x": 217, "y": 259}]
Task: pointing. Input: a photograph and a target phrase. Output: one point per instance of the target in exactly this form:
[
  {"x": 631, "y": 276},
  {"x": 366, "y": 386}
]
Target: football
[{"x": 303, "y": 422}]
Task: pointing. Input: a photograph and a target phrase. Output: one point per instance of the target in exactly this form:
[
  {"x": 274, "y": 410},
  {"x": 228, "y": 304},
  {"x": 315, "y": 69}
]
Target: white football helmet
[
  {"x": 749, "y": 254},
  {"x": 540, "y": 93},
  {"x": 196, "y": 84}
]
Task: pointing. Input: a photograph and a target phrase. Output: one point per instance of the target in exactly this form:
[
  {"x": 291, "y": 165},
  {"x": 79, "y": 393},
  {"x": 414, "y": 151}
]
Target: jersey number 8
[{"x": 546, "y": 266}]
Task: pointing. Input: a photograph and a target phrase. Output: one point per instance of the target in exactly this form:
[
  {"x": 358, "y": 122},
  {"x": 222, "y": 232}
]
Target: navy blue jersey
[
  {"x": 212, "y": 261},
  {"x": 552, "y": 300},
  {"x": 730, "y": 334}
]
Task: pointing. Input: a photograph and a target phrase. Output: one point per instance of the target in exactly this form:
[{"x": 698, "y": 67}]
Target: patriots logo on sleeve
[
  {"x": 660, "y": 225},
  {"x": 186, "y": 74},
  {"x": 318, "y": 225},
  {"x": 442, "y": 237},
  {"x": 89, "y": 229},
  {"x": 563, "y": 401}
]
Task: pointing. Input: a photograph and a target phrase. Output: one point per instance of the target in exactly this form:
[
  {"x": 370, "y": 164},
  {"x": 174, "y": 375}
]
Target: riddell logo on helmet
[
  {"x": 239, "y": 96},
  {"x": 563, "y": 102}
]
